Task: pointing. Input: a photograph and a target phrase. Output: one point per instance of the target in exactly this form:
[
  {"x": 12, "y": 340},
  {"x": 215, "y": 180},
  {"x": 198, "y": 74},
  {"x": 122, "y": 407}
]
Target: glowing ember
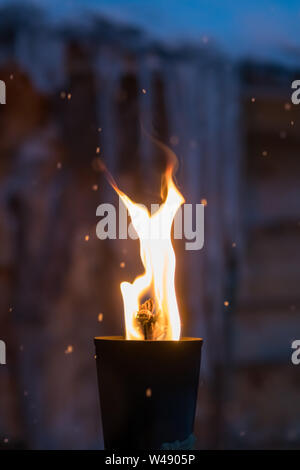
[
  {"x": 69, "y": 350},
  {"x": 100, "y": 317},
  {"x": 158, "y": 258}
]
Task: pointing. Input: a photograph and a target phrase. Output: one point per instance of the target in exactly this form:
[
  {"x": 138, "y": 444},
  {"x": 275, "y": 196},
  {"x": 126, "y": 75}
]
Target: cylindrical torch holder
[{"x": 148, "y": 391}]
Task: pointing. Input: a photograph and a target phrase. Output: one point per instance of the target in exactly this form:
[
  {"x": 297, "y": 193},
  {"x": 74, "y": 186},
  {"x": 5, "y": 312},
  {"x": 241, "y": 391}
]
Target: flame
[{"x": 158, "y": 257}]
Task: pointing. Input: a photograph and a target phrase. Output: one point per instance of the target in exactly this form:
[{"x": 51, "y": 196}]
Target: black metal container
[{"x": 148, "y": 392}]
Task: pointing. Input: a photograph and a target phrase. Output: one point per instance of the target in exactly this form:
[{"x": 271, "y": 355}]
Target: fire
[{"x": 158, "y": 257}]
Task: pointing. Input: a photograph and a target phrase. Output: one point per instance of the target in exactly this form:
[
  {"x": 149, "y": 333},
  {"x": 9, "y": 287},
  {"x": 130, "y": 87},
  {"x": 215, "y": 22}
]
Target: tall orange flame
[{"x": 158, "y": 257}]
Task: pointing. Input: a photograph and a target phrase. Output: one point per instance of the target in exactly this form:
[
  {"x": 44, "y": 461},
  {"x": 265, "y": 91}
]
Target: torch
[{"x": 148, "y": 380}]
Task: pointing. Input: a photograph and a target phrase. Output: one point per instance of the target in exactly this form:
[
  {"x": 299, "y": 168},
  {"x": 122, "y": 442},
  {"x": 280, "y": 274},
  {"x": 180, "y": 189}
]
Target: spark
[
  {"x": 69, "y": 350},
  {"x": 122, "y": 264},
  {"x": 87, "y": 237},
  {"x": 148, "y": 393},
  {"x": 204, "y": 202},
  {"x": 100, "y": 317}
]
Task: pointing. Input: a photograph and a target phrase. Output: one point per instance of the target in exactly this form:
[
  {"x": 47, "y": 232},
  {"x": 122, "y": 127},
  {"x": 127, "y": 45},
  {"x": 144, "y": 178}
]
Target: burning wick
[{"x": 147, "y": 318}]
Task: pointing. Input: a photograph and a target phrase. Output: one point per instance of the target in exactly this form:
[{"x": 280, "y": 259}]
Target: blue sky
[{"x": 264, "y": 29}]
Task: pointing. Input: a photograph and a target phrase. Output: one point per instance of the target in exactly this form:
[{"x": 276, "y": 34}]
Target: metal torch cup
[{"x": 148, "y": 392}]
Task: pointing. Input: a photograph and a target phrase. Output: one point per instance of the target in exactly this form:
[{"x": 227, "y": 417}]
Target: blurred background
[{"x": 212, "y": 80}]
